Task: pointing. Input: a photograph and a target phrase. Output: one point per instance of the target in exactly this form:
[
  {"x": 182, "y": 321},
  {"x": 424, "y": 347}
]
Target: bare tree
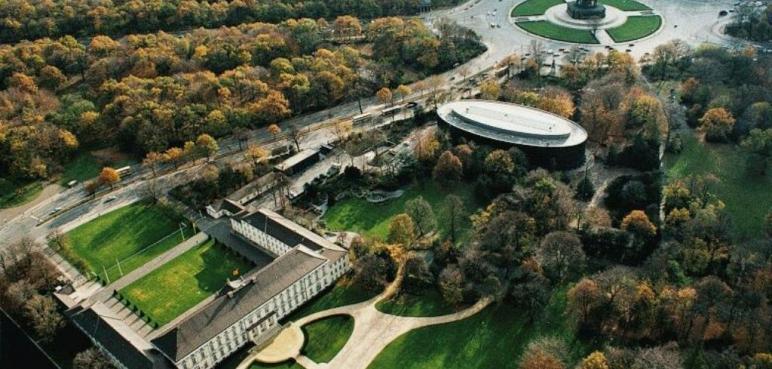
[{"x": 296, "y": 135}]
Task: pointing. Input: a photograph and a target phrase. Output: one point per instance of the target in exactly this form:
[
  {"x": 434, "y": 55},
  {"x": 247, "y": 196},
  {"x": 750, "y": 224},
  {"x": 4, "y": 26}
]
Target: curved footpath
[{"x": 373, "y": 331}]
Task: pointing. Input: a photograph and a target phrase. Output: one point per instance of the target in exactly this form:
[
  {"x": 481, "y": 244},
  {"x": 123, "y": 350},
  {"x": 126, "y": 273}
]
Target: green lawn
[
  {"x": 626, "y": 5},
  {"x": 121, "y": 235},
  {"x": 324, "y": 338},
  {"x": 284, "y": 365},
  {"x": 372, "y": 220},
  {"x": 534, "y": 7},
  {"x": 493, "y": 338},
  {"x": 341, "y": 294},
  {"x": 747, "y": 198},
  {"x": 182, "y": 283},
  {"x": 636, "y": 27},
  {"x": 86, "y": 166},
  {"x": 553, "y": 31},
  {"x": 14, "y": 194},
  {"x": 429, "y": 303}
]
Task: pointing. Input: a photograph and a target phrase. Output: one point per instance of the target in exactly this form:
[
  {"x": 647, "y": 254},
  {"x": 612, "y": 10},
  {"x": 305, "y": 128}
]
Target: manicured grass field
[
  {"x": 182, "y": 283},
  {"x": 556, "y": 32},
  {"x": 324, "y": 338},
  {"x": 493, "y": 338},
  {"x": 14, "y": 194},
  {"x": 429, "y": 303},
  {"x": 626, "y": 5},
  {"x": 747, "y": 198},
  {"x": 636, "y": 27},
  {"x": 534, "y": 7},
  {"x": 124, "y": 235},
  {"x": 284, "y": 365},
  {"x": 358, "y": 215}
]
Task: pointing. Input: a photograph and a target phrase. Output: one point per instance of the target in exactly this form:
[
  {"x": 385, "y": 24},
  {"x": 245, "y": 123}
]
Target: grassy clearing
[
  {"x": 326, "y": 337},
  {"x": 342, "y": 294},
  {"x": 493, "y": 338},
  {"x": 14, "y": 194},
  {"x": 182, "y": 283},
  {"x": 534, "y": 7},
  {"x": 121, "y": 235},
  {"x": 284, "y": 365},
  {"x": 626, "y": 5},
  {"x": 636, "y": 27},
  {"x": 372, "y": 220},
  {"x": 429, "y": 303},
  {"x": 747, "y": 198},
  {"x": 560, "y": 33},
  {"x": 86, "y": 166}
]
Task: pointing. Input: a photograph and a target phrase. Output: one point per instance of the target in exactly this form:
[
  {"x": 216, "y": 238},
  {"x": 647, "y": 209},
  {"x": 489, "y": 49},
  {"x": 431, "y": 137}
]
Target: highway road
[{"x": 697, "y": 22}]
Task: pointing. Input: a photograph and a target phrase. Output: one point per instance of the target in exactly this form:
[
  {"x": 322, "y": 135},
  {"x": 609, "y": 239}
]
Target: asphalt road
[{"x": 697, "y": 22}]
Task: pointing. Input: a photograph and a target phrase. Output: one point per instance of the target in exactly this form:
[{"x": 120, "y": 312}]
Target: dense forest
[
  {"x": 22, "y": 19},
  {"x": 153, "y": 91}
]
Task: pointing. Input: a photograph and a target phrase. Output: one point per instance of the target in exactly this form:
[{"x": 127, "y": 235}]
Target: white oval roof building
[{"x": 512, "y": 123}]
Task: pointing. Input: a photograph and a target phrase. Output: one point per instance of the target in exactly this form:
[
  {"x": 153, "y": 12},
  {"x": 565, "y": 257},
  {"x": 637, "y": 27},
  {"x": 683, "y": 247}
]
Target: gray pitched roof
[
  {"x": 231, "y": 306},
  {"x": 286, "y": 231},
  {"x": 111, "y": 340}
]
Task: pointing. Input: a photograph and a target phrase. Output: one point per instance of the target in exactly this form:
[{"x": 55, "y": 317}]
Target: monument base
[{"x": 577, "y": 11}]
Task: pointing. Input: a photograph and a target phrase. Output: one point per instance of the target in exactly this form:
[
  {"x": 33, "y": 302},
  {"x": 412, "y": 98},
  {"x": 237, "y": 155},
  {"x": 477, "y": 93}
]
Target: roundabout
[{"x": 587, "y": 21}]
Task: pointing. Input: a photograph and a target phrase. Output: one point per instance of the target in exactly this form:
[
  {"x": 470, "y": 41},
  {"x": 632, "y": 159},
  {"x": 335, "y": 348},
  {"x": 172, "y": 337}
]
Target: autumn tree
[
  {"x": 296, "y": 134},
  {"x": 595, "y": 360},
  {"x": 638, "y": 223},
  {"x": 91, "y": 358},
  {"x": 206, "y": 145},
  {"x": 401, "y": 230},
  {"x": 583, "y": 298},
  {"x": 426, "y": 147},
  {"x": 455, "y": 212},
  {"x": 274, "y": 130},
  {"x": 490, "y": 90},
  {"x": 560, "y": 254},
  {"x": 717, "y": 123},
  {"x": 257, "y": 154},
  {"x": 384, "y": 95},
  {"x": 342, "y": 130},
  {"x": 109, "y": 176},
  {"x": 152, "y": 159},
  {"x": 402, "y": 92},
  {"x": 420, "y": 211},
  {"x": 538, "y": 359},
  {"x": 451, "y": 284},
  {"x": 173, "y": 155},
  {"x": 448, "y": 168},
  {"x": 46, "y": 320}
]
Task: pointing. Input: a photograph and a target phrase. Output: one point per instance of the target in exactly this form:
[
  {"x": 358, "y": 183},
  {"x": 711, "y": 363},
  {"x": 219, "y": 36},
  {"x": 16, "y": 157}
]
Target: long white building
[{"x": 246, "y": 310}]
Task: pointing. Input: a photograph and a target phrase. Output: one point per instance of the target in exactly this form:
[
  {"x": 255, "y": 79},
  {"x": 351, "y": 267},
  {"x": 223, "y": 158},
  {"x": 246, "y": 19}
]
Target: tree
[
  {"x": 384, "y": 95},
  {"x": 538, "y": 359},
  {"x": 401, "y": 230},
  {"x": 560, "y": 254},
  {"x": 46, "y": 320},
  {"x": 256, "y": 154},
  {"x": 455, "y": 211},
  {"x": 206, "y": 145},
  {"x": 451, "y": 283},
  {"x": 717, "y": 123},
  {"x": 151, "y": 160},
  {"x": 403, "y": 91},
  {"x": 370, "y": 272},
  {"x": 92, "y": 358},
  {"x": 109, "y": 176},
  {"x": 296, "y": 135},
  {"x": 422, "y": 215},
  {"x": 173, "y": 155},
  {"x": 595, "y": 360},
  {"x": 342, "y": 130},
  {"x": 449, "y": 168},
  {"x": 583, "y": 298},
  {"x": 758, "y": 144},
  {"x": 426, "y": 147},
  {"x": 274, "y": 130},
  {"x": 638, "y": 223},
  {"x": 490, "y": 90}
]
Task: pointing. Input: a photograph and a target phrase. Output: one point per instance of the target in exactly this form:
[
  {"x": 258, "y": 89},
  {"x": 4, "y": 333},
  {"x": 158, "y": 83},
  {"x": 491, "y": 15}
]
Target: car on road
[
  {"x": 109, "y": 199},
  {"x": 55, "y": 210}
]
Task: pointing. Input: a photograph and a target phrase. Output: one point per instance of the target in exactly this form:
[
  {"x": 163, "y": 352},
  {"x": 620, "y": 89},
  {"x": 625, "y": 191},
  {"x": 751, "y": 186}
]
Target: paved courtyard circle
[{"x": 625, "y": 21}]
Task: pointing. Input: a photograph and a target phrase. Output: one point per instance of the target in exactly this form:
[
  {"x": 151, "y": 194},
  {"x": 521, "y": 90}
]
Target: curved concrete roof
[{"x": 512, "y": 123}]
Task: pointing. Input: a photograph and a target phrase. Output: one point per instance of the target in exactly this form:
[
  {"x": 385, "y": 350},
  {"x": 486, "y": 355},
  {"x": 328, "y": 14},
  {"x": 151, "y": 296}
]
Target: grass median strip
[
  {"x": 325, "y": 337},
  {"x": 560, "y": 33}
]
